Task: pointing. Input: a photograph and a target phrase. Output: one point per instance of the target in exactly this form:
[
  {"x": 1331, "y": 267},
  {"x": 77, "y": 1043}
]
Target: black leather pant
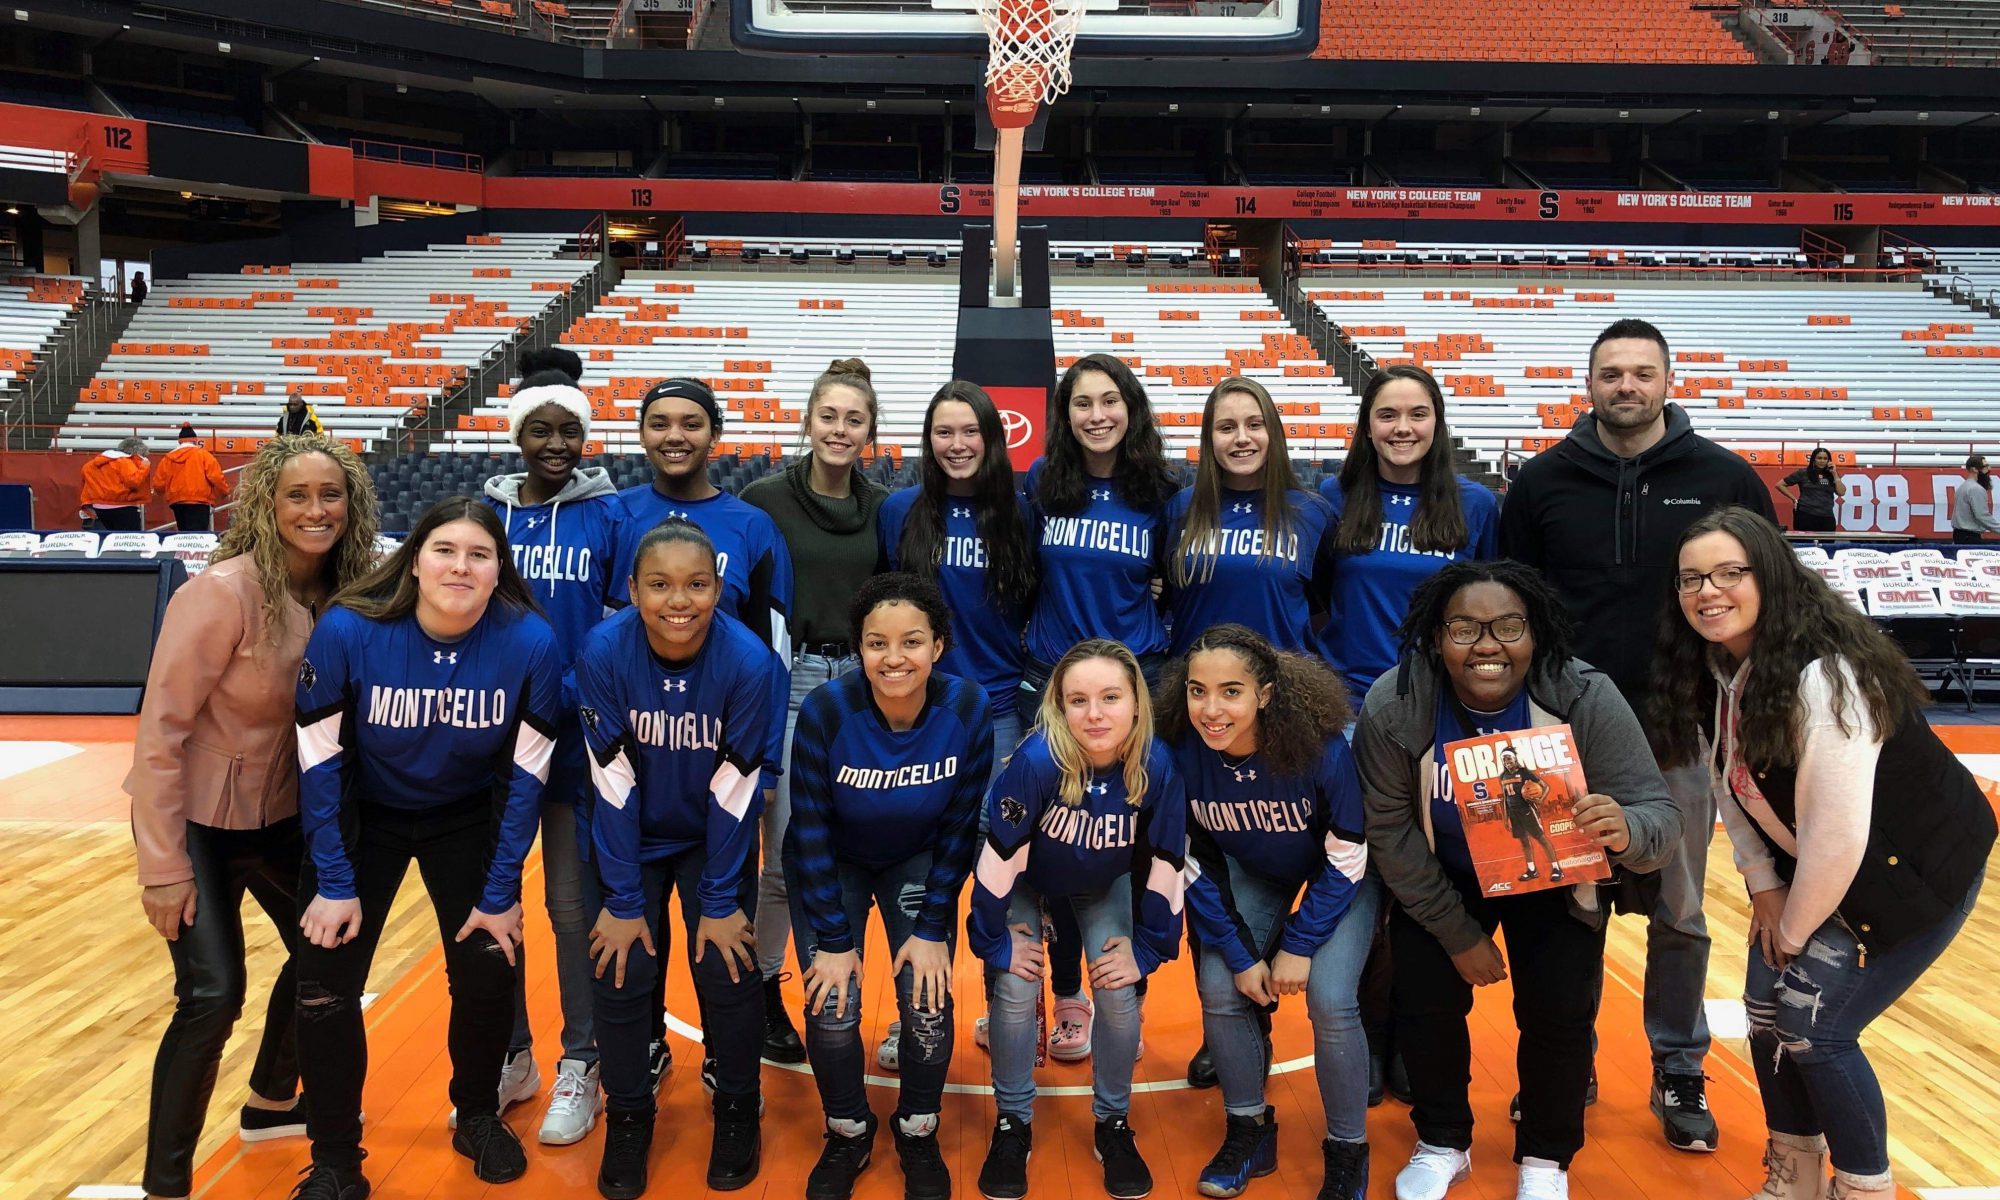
[{"x": 209, "y": 987}]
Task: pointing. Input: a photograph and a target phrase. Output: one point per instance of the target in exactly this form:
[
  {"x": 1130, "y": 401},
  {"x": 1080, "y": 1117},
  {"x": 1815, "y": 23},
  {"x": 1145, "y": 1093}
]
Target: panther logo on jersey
[
  {"x": 589, "y": 716},
  {"x": 307, "y": 676},
  {"x": 1012, "y": 811}
]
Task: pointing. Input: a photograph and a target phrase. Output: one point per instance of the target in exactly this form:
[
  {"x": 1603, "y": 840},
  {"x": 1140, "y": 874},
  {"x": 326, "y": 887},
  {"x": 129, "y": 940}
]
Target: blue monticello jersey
[
  {"x": 676, "y": 755},
  {"x": 1063, "y": 850},
  {"x": 750, "y": 556},
  {"x": 985, "y": 633},
  {"x": 1294, "y": 830},
  {"x": 389, "y": 715},
  {"x": 1371, "y": 592},
  {"x": 866, "y": 794},
  {"x": 1096, "y": 569},
  {"x": 1273, "y": 590}
]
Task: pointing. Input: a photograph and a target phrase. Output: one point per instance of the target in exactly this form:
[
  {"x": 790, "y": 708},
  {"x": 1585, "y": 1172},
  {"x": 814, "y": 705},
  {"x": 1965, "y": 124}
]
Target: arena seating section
[
  {"x": 587, "y": 21},
  {"x": 1930, "y": 33},
  {"x": 32, "y": 311},
  {"x": 1662, "y": 31},
  {"x": 1980, "y": 265},
  {"x": 761, "y": 341},
  {"x": 1879, "y": 373},
  {"x": 364, "y": 342}
]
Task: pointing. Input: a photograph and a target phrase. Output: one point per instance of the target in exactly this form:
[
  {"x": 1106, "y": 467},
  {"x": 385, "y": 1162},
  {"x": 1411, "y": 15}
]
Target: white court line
[
  {"x": 368, "y": 998},
  {"x": 983, "y": 1089},
  {"x": 108, "y": 1191},
  {"x": 1726, "y": 1018},
  {"x": 18, "y": 758},
  {"x": 1958, "y": 1193}
]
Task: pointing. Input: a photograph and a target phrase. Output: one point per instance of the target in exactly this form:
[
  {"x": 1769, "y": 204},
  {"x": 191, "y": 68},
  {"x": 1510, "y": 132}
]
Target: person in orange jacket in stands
[
  {"x": 114, "y": 486},
  {"x": 192, "y": 481}
]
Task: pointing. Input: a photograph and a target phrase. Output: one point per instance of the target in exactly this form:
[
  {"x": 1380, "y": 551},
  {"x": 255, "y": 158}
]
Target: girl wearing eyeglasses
[
  {"x": 1814, "y": 713},
  {"x": 1485, "y": 650}
]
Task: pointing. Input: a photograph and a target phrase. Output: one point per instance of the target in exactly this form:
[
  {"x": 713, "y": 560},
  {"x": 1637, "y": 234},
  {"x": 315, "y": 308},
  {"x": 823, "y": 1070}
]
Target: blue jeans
[
  {"x": 1340, "y": 1048},
  {"x": 1805, "y": 1030},
  {"x": 1677, "y": 935},
  {"x": 774, "y": 914},
  {"x": 833, "y": 1037},
  {"x": 1114, "y": 1030}
]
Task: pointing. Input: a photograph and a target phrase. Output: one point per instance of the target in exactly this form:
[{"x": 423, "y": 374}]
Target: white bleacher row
[
  {"x": 720, "y": 247},
  {"x": 398, "y": 287},
  {"x": 1980, "y": 264},
  {"x": 905, "y": 331},
  {"x": 25, "y": 324},
  {"x": 1870, "y": 358},
  {"x": 1387, "y": 253}
]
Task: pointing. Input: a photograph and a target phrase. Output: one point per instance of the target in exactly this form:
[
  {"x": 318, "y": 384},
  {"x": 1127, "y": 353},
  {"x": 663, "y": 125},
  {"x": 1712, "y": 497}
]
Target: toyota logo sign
[{"x": 1019, "y": 428}]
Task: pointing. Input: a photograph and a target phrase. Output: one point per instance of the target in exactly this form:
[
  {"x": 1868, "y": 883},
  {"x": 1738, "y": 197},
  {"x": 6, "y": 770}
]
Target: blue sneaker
[
  {"x": 1346, "y": 1170},
  {"x": 1249, "y": 1149}
]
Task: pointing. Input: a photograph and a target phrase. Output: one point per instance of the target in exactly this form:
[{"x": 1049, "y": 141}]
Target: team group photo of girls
[{"x": 1082, "y": 720}]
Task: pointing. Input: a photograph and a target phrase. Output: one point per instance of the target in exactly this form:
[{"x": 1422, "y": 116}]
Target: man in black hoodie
[{"x": 1600, "y": 515}]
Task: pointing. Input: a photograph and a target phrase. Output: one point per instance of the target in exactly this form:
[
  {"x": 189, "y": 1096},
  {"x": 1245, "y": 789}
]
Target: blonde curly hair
[{"x": 253, "y": 525}]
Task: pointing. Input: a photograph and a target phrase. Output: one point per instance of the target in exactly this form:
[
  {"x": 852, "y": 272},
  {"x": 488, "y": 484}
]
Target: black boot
[
  {"x": 628, "y": 1139},
  {"x": 781, "y": 1037},
  {"x": 1378, "y": 1084},
  {"x": 1201, "y": 1068},
  {"x": 738, "y": 1148}
]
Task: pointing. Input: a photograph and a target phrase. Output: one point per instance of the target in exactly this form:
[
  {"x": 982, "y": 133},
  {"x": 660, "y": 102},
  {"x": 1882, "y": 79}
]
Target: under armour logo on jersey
[
  {"x": 959, "y": 512},
  {"x": 1240, "y": 507},
  {"x": 1100, "y": 493},
  {"x": 444, "y": 656},
  {"x": 307, "y": 676},
  {"x": 1243, "y": 776},
  {"x": 1099, "y": 789},
  {"x": 675, "y": 512},
  {"x": 533, "y": 522},
  {"x": 1402, "y": 501},
  {"x": 1012, "y": 811},
  {"x": 673, "y": 685}
]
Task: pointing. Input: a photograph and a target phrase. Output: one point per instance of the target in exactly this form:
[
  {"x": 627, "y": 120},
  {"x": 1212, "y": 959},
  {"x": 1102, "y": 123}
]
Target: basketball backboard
[{"x": 1111, "y": 28}]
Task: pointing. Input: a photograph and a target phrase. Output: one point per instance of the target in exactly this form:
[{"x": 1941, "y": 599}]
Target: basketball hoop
[
  {"x": 1028, "y": 45},
  {"x": 1028, "y": 53}
]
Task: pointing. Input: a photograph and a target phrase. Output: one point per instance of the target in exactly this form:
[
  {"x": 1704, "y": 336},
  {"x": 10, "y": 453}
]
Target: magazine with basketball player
[{"x": 1517, "y": 795}]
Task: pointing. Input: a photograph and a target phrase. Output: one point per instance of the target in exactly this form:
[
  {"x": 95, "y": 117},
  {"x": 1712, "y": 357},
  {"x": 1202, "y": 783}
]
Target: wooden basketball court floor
[{"x": 86, "y": 988}]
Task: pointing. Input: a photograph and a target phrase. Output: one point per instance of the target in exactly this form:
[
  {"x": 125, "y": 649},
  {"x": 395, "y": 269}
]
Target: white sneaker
[
  {"x": 1432, "y": 1171},
  {"x": 1542, "y": 1180},
  {"x": 520, "y": 1079},
  {"x": 889, "y": 1055},
  {"x": 574, "y": 1103},
  {"x": 979, "y": 1034}
]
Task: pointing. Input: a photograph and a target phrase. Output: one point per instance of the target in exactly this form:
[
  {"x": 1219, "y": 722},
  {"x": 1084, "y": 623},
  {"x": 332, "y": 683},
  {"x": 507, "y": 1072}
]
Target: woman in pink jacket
[{"x": 214, "y": 780}]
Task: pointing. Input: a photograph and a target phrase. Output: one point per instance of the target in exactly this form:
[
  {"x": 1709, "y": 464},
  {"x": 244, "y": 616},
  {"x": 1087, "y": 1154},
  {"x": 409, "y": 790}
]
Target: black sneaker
[
  {"x": 1201, "y": 1069},
  {"x": 628, "y": 1139},
  {"x": 263, "y": 1124},
  {"x": 495, "y": 1152},
  {"x": 1346, "y": 1170},
  {"x": 1681, "y": 1103},
  {"x": 1589, "y": 1099},
  {"x": 1005, "y": 1175},
  {"x": 925, "y": 1177},
  {"x": 1249, "y": 1149},
  {"x": 781, "y": 1038},
  {"x": 1378, "y": 1084},
  {"x": 1125, "y": 1173},
  {"x": 840, "y": 1163},
  {"x": 737, "y": 1150},
  {"x": 322, "y": 1182},
  {"x": 659, "y": 1061}
]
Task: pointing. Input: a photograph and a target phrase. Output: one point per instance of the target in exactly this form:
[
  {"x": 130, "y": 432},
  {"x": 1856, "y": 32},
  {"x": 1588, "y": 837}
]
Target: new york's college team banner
[{"x": 1220, "y": 203}]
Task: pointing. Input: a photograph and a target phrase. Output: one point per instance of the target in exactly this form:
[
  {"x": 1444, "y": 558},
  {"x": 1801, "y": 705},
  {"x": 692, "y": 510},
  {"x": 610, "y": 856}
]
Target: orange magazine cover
[{"x": 1517, "y": 794}]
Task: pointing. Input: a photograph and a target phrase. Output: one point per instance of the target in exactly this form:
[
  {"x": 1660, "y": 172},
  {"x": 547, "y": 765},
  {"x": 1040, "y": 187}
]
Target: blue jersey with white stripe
[
  {"x": 1064, "y": 850},
  {"x": 985, "y": 632},
  {"x": 1297, "y": 830},
  {"x": 1236, "y": 577},
  {"x": 867, "y": 794},
  {"x": 1097, "y": 569},
  {"x": 390, "y": 715},
  {"x": 676, "y": 755},
  {"x": 1371, "y": 592}
]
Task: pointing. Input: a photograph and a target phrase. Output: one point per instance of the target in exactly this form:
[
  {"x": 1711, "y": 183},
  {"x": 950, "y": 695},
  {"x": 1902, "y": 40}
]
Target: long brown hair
[
  {"x": 389, "y": 592},
  {"x": 1195, "y": 557},
  {"x": 1800, "y": 620},
  {"x": 253, "y": 524},
  {"x": 1010, "y": 556},
  {"x": 1142, "y": 477},
  {"x": 1063, "y": 746},
  {"x": 1308, "y": 705},
  {"x": 1439, "y": 523}
]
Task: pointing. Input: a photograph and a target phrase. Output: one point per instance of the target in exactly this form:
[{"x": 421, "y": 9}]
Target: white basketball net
[{"x": 1028, "y": 45}]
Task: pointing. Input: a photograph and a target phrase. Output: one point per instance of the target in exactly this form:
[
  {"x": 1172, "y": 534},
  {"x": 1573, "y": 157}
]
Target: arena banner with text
[{"x": 1909, "y": 500}]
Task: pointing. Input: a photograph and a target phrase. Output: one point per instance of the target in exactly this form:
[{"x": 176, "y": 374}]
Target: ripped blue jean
[{"x": 1805, "y": 1029}]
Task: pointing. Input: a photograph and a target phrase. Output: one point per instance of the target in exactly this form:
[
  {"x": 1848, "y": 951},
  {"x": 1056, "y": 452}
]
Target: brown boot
[{"x": 1794, "y": 1168}]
